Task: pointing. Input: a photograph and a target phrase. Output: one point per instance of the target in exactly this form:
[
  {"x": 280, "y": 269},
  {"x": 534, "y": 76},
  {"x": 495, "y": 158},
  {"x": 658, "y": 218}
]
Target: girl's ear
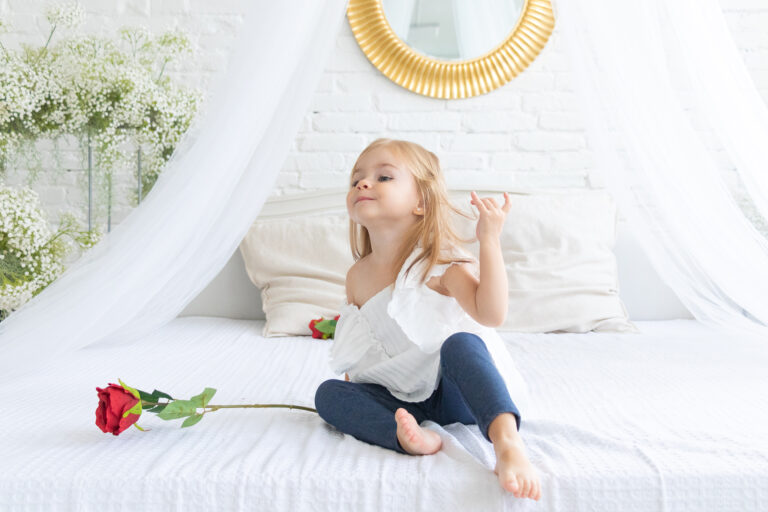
[{"x": 419, "y": 210}]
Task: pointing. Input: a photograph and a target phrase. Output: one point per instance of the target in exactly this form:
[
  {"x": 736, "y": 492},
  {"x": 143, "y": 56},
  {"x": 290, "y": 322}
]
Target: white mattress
[{"x": 671, "y": 419}]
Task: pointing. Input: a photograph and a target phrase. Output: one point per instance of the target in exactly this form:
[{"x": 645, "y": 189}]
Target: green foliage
[
  {"x": 187, "y": 408},
  {"x": 31, "y": 257}
]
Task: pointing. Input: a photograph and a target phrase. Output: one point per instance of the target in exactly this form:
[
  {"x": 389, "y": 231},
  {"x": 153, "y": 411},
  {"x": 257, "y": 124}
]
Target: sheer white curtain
[
  {"x": 147, "y": 269},
  {"x": 637, "y": 65},
  {"x": 654, "y": 162},
  {"x": 729, "y": 100}
]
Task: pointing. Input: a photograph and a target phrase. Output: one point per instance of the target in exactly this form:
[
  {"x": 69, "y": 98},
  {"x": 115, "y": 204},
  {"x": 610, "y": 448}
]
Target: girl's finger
[
  {"x": 507, "y": 203},
  {"x": 478, "y": 202},
  {"x": 493, "y": 201}
]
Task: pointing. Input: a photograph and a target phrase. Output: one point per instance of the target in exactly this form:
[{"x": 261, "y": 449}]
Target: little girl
[{"x": 416, "y": 332}]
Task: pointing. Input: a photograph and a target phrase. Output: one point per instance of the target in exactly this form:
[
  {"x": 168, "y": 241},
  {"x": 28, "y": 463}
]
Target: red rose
[
  {"x": 315, "y": 332},
  {"x": 322, "y": 328},
  {"x": 119, "y": 408}
]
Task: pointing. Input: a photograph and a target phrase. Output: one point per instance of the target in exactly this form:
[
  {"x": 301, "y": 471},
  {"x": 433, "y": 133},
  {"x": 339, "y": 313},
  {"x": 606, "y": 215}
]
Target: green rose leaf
[
  {"x": 178, "y": 409},
  {"x": 191, "y": 420},
  {"x": 154, "y": 396},
  {"x": 159, "y": 394},
  {"x": 136, "y": 409},
  {"x": 326, "y": 326},
  {"x": 203, "y": 398},
  {"x": 155, "y": 399},
  {"x": 157, "y": 408},
  {"x": 129, "y": 388}
]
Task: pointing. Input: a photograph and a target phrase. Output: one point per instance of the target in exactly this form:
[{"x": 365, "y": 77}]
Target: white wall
[{"x": 541, "y": 144}]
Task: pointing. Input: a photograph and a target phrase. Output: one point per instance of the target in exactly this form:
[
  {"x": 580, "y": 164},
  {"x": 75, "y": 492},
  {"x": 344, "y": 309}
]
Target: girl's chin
[{"x": 363, "y": 220}]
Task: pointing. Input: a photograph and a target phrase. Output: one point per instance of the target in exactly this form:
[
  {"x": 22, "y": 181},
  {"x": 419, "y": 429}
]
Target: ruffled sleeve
[
  {"x": 427, "y": 317},
  {"x": 352, "y": 339}
]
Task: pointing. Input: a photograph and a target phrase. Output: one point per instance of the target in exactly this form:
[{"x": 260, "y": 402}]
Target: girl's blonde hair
[{"x": 435, "y": 228}]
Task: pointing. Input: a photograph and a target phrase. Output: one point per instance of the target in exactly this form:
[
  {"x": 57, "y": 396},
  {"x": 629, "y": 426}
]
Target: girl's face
[{"x": 382, "y": 189}]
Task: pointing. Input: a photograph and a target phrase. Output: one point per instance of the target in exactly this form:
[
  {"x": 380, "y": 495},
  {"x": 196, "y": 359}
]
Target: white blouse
[{"x": 394, "y": 339}]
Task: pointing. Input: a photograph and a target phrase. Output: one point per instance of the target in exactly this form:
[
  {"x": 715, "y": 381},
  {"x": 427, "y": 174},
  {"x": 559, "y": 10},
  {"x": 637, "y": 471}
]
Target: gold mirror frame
[{"x": 450, "y": 79}]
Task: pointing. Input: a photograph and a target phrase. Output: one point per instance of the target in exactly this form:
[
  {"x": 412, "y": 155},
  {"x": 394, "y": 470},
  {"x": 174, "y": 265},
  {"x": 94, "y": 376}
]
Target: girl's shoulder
[
  {"x": 458, "y": 256},
  {"x": 449, "y": 257}
]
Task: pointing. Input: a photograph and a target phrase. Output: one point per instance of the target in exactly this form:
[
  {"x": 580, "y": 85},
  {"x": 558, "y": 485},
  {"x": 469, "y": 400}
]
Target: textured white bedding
[{"x": 671, "y": 419}]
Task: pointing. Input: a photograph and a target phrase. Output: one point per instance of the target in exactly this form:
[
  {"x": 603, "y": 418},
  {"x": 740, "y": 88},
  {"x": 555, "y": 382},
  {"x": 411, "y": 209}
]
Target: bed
[
  {"x": 673, "y": 419},
  {"x": 670, "y": 419}
]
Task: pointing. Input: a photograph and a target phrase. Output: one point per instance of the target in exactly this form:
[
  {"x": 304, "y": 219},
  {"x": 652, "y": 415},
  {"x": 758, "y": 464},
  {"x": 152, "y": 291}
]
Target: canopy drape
[{"x": 643, "y": 72}]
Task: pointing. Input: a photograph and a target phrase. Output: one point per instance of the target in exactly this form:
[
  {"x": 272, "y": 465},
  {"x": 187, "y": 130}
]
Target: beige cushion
[
  {"x": 557, "y": 248},
  {"x": 300, "y": 264},
  {"x": 561, "y": 269}
]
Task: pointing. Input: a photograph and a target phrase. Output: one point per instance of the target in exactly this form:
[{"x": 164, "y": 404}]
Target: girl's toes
[
  {"x": 538, "y": 491},
  {"x": 512, "y": 485},
  {"x": 525, "y": 487}
]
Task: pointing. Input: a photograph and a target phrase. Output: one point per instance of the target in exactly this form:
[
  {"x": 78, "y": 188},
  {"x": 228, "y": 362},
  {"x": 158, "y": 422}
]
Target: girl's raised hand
[{"x": 492, "y": 216}]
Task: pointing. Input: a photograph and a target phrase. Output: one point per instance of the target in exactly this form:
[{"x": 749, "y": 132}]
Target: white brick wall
[{"x": 527, "y": 133}]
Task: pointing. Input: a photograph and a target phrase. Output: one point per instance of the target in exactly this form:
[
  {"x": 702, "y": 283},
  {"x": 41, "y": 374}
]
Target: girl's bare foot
[
  {"x": 414, "y": 439},
  {"x": 516, "y": 474}
]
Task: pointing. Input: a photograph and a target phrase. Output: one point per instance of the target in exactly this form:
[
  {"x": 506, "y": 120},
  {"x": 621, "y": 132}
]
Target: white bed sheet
[{"x": 671, "y": 419}]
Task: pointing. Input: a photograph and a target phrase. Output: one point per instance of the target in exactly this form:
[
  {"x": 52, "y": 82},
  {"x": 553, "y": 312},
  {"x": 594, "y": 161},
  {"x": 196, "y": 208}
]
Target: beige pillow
[
  {"x": 561, "y": 269},
  {"x": 300, "y": 264},
  {"x": 557, "y": 248}
]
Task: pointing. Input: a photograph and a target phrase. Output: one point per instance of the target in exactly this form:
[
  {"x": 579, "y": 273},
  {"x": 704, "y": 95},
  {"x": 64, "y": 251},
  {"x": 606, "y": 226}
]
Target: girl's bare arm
[{"x": 485, "y": 299}]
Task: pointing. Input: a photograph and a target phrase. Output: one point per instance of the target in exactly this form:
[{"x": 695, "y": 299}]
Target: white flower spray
[
  {"x": 31, "y": 257},
  {"x": 104, "y": 92},
  {"x": 70, "y": 15}
]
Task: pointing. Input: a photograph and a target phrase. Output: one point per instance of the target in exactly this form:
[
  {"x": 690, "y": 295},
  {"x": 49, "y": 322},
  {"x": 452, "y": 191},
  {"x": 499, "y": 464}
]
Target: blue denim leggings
[{"x": 471, "y": 390}]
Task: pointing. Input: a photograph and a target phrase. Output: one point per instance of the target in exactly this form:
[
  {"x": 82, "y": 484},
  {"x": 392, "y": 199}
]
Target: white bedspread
[{"x": 675, "y": 418}]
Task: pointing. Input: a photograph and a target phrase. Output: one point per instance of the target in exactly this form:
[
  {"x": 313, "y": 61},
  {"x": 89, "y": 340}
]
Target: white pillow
[
  {"x": 557, "y": 248},
  {"x": 561, "y": 269},
  {"x": 300, "y": 264}
]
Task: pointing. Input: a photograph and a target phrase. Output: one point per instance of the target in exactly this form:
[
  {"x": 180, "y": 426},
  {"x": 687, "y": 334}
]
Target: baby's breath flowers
[
  {"x": 70, "y": 15},
  {"x": 30, "y": 255},
  {"x": 105, "y": 92}
]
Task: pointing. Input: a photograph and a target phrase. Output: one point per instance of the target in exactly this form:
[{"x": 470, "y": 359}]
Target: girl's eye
[{"x": 354, "y": 183}]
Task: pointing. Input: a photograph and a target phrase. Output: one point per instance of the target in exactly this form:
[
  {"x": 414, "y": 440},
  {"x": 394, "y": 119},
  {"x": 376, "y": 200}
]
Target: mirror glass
[{"x": 452, "y": 29}]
